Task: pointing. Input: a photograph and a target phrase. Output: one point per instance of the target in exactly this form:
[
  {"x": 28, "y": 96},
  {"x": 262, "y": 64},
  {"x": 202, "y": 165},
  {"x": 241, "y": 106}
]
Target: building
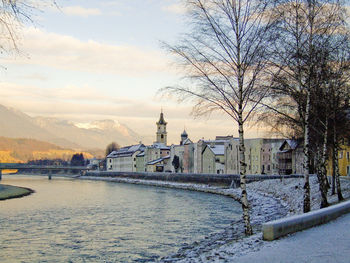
[
  {"x": 157, "y": 155},
  {"x": 140, "y": 162},
  {"x": 291, "y": 157},
  {"x": 158, "y": 165},
  {"x": 213, "y": 159},
  {"x": 182, "y": 156},
  {"x": 204, "y": 157},
  {"x": 124, "y": 160},
  {"x": 161, "y": 134},
  {"x": 343, "y": 159},
  {"x": 260, "y": 156}
]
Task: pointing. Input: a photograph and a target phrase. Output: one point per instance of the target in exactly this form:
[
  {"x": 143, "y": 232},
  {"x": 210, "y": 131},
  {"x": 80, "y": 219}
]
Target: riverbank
[
  {"x": 9, "y": 192},
  {"x": 269, "y": 200}
]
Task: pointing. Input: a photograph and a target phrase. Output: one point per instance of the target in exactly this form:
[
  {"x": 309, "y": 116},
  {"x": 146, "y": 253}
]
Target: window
[
  {"x": 340, "y": 154},
  {"x": 348, "y": 155},
  {"x": 162, "y": 136}
]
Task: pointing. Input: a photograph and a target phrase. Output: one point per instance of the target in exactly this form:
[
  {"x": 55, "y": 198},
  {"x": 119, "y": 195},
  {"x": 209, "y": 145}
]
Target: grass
[{"x": 9, "y": 191}]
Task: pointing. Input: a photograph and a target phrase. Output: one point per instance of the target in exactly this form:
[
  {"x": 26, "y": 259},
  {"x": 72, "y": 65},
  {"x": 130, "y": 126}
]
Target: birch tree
[
  {"x": 223, "y": 57},
  {"x": 305, "y": 27}
]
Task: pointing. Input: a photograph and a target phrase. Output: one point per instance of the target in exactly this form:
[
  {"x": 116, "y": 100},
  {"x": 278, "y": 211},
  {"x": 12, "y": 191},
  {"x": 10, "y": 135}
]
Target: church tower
[
  {"x": 184, "y": 137},
  {"x": 161, "y": 130}
]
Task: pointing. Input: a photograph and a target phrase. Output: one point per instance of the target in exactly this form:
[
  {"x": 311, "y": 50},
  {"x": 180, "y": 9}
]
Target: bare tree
[
  {"x": 12, "y": 14},
  {"x": 305, "y": 29},
  {"x": 113, "y": 146},
  {"x": 224, "y": 56}
]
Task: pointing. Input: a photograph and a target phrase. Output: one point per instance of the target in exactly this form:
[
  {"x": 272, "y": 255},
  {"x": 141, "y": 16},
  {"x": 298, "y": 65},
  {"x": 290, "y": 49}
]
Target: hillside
[
  {"x": 64, "y": 133},
  {"x": 23, "y": 150}
]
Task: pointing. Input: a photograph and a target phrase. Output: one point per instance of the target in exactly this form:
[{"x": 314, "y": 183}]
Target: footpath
[{"x": 325, "y": 243}]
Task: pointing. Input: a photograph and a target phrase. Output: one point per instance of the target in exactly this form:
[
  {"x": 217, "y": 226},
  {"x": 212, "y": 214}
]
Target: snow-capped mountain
[{"x": 95, "y": 134}]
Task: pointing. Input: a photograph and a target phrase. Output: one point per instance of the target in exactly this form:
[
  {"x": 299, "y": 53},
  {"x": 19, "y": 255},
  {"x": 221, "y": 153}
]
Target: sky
[{"x": 102, "y": 59}]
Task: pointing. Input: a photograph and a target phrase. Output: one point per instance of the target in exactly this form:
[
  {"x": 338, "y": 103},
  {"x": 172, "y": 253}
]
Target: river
[{"x": 69, "y": 220}]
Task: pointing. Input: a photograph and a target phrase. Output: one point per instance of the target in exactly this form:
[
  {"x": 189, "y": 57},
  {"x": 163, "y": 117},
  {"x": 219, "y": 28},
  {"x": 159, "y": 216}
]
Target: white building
[{"x": 124, "y": 160}]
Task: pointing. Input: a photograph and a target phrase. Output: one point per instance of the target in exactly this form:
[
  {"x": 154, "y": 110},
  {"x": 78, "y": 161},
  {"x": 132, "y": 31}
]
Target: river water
[{"x": 69, "y": 220}]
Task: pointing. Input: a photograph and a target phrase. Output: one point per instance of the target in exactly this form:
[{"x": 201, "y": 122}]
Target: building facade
[
  {"x": 124, "y": 160},
  {"x": 291, "y": 157},
  {"x": 260, "y": 156}
]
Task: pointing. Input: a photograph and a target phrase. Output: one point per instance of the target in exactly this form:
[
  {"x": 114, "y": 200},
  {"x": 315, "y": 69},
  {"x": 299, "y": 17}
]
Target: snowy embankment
[{"x": 269, "y": 200}]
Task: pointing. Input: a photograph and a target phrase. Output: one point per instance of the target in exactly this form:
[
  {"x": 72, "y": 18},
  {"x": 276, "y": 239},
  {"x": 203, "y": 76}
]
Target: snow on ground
[
  {"x": 321, "y": 244},
  {"x": 269, "y": 200}
]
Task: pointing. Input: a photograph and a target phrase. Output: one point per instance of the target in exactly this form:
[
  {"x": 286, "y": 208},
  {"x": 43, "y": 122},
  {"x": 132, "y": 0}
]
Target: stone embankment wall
[{"x": 211, "y": 179}]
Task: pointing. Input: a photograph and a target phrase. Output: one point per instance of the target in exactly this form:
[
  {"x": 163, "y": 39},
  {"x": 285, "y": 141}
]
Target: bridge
[{"x": 48, "y": 168}]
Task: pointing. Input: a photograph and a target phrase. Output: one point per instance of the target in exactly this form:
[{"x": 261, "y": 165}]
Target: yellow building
[{"x": 343, "y": 160}]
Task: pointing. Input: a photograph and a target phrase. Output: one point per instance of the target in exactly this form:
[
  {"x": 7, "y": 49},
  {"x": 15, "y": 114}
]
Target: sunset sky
[{"x": 102, "y": 59}]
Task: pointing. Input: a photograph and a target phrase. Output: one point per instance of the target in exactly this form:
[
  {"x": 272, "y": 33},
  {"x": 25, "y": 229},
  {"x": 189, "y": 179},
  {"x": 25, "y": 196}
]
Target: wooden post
[
  {"x": 0, "y": 174},
  {"x": 50, "y": 176}
]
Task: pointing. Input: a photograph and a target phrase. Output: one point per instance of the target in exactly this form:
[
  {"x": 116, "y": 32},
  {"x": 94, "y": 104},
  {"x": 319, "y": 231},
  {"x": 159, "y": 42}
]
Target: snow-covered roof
[
  {"x": 293, "y": 144},
  {"x": 216, "y": 142},
  {"x": 126, "y": 151},
  {"x": 159, "y": 145},
  {"x": 217, "y": 149},
  {"x": 187, "y": 141},
  {"x": 141, "y": 154},
  {"x": 158, "y": 160}
]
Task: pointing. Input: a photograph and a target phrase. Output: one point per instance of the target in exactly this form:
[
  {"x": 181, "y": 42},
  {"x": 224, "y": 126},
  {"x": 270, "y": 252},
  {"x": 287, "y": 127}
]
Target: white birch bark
[{"x": 243, "y": 166}]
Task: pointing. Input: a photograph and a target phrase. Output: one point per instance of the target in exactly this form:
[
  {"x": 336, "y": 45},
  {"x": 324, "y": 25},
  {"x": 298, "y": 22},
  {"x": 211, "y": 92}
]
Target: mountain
[
  {"x": 23, "y": 150},
  {"x": 66, "y": 134}
]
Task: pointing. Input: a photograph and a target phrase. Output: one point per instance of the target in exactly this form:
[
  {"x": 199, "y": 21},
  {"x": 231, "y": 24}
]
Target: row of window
[{"x": 347, "y": 155}]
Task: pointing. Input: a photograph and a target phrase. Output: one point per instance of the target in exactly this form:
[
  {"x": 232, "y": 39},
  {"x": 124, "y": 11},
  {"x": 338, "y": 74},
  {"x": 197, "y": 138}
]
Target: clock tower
[{"x": 161, "y": 130}]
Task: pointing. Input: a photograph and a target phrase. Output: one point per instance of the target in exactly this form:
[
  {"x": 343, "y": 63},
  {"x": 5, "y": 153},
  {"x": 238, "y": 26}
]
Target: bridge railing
[{"x": 15, "y": 166}]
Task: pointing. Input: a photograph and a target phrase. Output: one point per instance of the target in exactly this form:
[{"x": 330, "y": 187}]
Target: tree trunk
[
  {"x": 336, "y": 164},
  {"x": 322, "y": 177},
  {"x": 244, "y": 196},
  {"x": 307, "y": 156}
]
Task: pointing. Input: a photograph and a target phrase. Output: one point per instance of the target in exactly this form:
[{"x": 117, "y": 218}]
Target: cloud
[
  {"x": 81, "y": 11},
  {"x": 68, "y": 93},
  {"x": 69, "y": 53},
  {"x": 175, "y": 9},
  {"x": 34, "y": 76}
]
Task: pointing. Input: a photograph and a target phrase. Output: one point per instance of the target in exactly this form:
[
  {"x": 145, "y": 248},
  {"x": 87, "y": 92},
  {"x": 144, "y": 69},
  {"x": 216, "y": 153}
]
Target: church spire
[{"x": 161, "y": 134}]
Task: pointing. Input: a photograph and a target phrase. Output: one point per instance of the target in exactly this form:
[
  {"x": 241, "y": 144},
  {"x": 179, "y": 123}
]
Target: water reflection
[{"x": 72, "y": 220}]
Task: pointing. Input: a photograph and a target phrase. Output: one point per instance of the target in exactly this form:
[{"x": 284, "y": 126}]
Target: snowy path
[{"x": 326, "y": 243}]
